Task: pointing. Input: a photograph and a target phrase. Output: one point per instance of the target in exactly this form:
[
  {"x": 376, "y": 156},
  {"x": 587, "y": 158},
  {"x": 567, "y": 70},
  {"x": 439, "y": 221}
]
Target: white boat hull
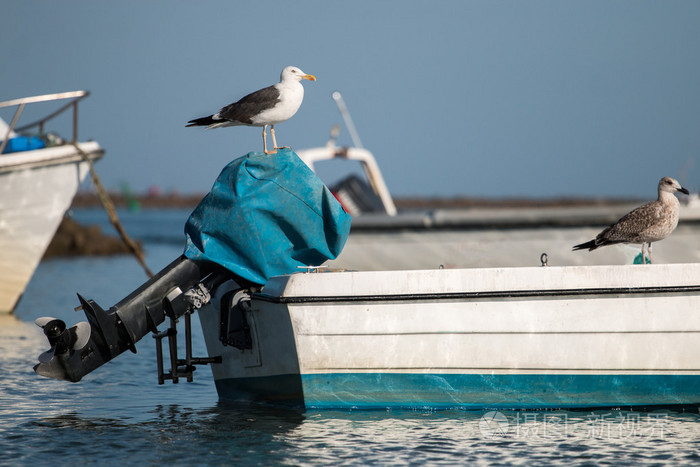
[
  {"x": 555, "y": 337},
  {"x": 36, "y": 189}
]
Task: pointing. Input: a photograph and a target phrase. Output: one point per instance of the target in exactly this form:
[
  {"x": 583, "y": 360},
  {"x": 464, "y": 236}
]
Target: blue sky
[{"x": 454, "y": 98}]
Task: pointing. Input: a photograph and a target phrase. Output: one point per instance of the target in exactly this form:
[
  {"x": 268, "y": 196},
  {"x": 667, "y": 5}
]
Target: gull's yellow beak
[{"x": 309, "y": 77}]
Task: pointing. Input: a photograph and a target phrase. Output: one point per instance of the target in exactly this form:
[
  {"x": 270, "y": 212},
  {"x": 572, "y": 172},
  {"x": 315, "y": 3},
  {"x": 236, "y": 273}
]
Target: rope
[{"x": 112, "y": 213}]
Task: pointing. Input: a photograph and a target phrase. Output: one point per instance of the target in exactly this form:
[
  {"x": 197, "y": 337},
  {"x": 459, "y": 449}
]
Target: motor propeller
[
  {"x": 55, "y": 331},
  {"x": 62, "y": 341}
]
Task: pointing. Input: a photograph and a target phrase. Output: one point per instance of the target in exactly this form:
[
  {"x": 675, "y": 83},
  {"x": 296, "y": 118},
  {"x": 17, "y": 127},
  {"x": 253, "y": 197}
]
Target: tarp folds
[{"x": 266, "y": 215}]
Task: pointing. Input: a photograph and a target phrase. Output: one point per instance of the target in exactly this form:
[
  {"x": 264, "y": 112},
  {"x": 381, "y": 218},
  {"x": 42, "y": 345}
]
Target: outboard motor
[{"x": 177, "y": 289}]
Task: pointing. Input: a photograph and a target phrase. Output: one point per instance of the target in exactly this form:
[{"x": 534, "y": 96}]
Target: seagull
[
  {"x": 646, "y": 224},
  {"x": 265, "y": 107}
]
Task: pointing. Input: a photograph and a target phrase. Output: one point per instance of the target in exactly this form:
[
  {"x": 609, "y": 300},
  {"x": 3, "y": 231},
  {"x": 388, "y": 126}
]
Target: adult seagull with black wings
[{"x": 265, "y": 107}]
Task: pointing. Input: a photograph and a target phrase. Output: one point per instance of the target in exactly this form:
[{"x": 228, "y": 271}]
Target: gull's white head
[
  {"x": 671, "y": 185},
  {"x": 295, "y": 74}
]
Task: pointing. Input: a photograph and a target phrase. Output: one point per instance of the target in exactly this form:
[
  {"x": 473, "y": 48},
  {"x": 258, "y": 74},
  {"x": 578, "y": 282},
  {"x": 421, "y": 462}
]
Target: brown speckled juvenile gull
[{"x": 648, "y": 223}]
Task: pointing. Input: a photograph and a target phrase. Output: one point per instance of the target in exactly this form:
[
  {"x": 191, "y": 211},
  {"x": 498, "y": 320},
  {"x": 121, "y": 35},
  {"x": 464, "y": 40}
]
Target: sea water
[{"x": 120, "y": 414}]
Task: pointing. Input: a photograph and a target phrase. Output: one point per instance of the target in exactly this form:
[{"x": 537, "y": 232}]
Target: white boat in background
[
  {"x": 39, "y": 176},
  {"x": 384, "y": 238},
  {"x": 483, "y": 237}
]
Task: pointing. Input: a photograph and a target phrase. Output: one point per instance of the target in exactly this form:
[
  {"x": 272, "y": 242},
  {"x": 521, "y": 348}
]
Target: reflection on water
[
  {"x": 172, "y": 433},
  {"x": 119, "y": 412},
  {"x": 224, "y": 434}
]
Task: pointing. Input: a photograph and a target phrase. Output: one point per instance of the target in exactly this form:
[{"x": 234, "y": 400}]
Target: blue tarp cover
[
  {"x": 23, "y": 143},
  {"x": 265, "y": 216}
]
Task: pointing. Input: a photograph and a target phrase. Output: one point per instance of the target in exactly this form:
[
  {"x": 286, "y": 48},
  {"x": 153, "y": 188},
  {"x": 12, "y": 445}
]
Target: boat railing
[
  {"x": 361, "y": 155},
  {"x": 74, "y": 96},
  {"x": 356, "y": 153}
]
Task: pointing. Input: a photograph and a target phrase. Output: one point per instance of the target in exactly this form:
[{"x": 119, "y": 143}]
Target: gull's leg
[
  {"x": 272, "y": 132},
  {"x": 649, "y": 250},
  {"x": 274, "y": 151}
]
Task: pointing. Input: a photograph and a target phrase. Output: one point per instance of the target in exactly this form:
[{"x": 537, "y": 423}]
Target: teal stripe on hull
[{"x": 466, "y": 391}]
